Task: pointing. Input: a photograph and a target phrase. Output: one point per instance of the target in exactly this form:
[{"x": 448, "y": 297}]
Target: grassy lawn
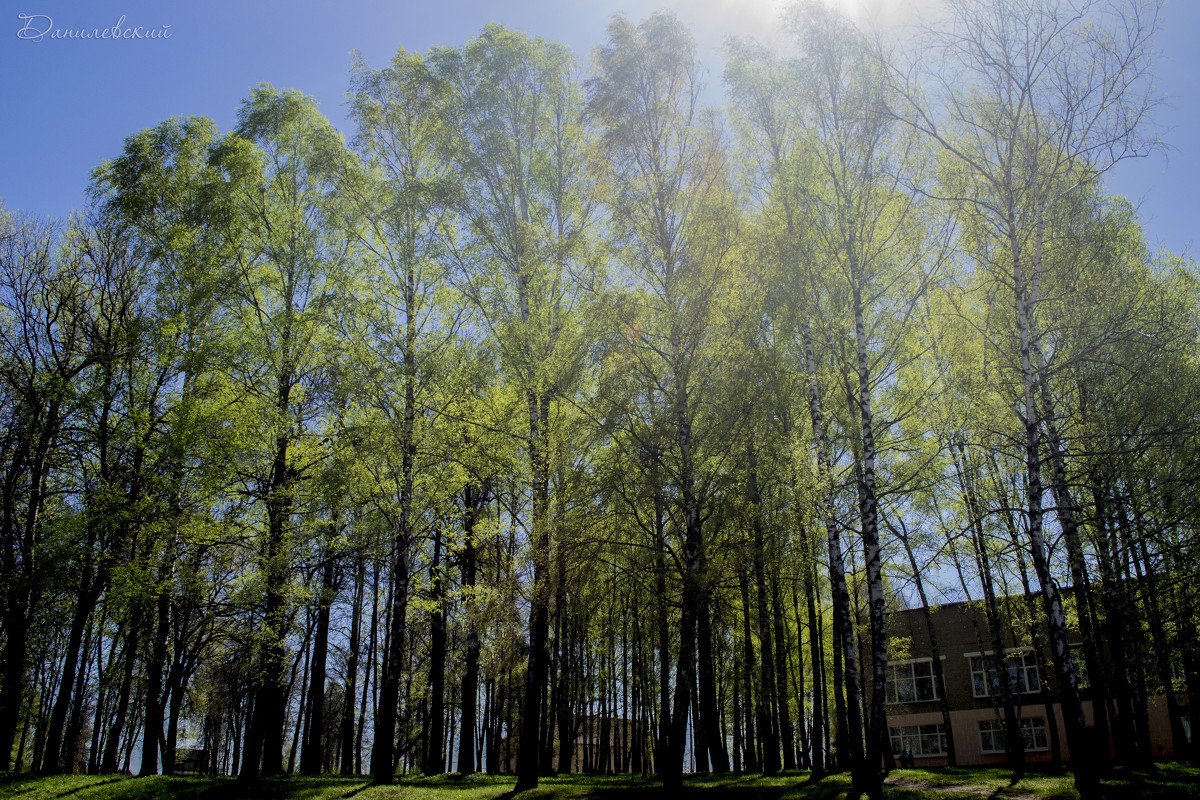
[{"x": 1164, "y": 781}]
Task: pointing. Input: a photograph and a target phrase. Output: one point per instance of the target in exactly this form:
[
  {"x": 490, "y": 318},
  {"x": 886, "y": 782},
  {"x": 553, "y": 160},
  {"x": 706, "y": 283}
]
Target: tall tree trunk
[
  {"x": 528, "y": 757},
  {"x": 383, "y": 747},
  {"x": 265, "y": 742},
  {"x": 806, "y": 748},
  {"x": 1130, "y": 630},
  {"x": 820, "y": 722},
  {"x": 877, "y": 734},
  {"x": 846, "y": 670},
  {"x": 699, "y": 750},
  {"x": 564, "y": 721},
  {"x": 473, "y": 502},
  {"x": 737, "y": 717},
  {"x": 74, "y": 728},
  {"x": 751, "y": 750},
  {"x": 312, "y": 756},
  {"x": 370, "y": 689},
  {"x": 639, "y": 718},
  {"x": 349, "y": 764},
  {"x": 661, "y": 753},
  {"x": 1086, "y": 780},
  {"x": 1065, "y": 510},
  {"x": 22, "y": 575},
  {"x": 714, "y": 743},
  {"x": 767, "y": 734},
  {"x": 1001, "y": 686},
  {"x": 1151, "y": 603},
  {"x": 54, "y": 758},
  {"x": 158, "y": 664},
  {"x": 1122, "y": 640},
  {"x": 781, "y": 661},
  {"x": 435, "y": 757},
  {"x": 1035, "y": 628},
  {"x": 939, "y": 673},
  {"x": 112, "y": 743},
  {"x": 305, "y": 654},
  {"x": 13, "y": 677},
  {"x": 173, "y": 694}
]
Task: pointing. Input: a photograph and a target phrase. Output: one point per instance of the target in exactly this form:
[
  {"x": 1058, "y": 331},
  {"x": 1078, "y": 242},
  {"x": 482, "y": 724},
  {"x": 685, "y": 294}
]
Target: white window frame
[
  {"x": 1033, "y": 731},
  {"x": 1022, "y": 675},
  {"x": 893, "y": 685},
  {"x": 906, "y": 736}
]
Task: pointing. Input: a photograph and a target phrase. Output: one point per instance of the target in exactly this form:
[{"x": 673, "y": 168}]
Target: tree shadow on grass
[
  {"x": 746, "y": 788},
  {"x": 85, "y": 786}
]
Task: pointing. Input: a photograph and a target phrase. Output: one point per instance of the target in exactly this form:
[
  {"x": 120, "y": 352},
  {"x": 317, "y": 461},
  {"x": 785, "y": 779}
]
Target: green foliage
[{"x": 616, "y": 354}]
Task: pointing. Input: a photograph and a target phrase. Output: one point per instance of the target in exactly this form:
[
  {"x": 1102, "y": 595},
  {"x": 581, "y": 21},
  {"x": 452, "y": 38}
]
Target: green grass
[{"x": 1168, "y": 780}]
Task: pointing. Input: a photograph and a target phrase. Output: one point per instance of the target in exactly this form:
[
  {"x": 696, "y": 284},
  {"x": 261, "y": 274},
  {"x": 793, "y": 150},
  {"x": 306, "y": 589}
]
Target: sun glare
[{"x": 762, "y": 19}]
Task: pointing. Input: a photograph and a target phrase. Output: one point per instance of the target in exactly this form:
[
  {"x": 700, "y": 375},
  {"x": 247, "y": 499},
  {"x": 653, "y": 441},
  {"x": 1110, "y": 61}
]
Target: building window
[
  {"x": 922, "y": 740},
  {"x": 1022, "y": 673},
  {"x": 911, "y": 682},
  {"x": 1033, "y": 733}
]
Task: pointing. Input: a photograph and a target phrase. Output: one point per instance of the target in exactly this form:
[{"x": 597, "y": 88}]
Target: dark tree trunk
[
  {"x": 12, "y": 679},
  {"x": 806, "y": 750},
  {"x": 1122, "y": 640},
  {"x": 21, "y": 559},
  {"x": 877, "y": 734},
  {"x": 1035, "y": 629},
  {"x": 751, "y": 751},
  {"x": 737, "y": 717},
  {"x": 781, "y": 671},
  {"x": 699, "y": 750},
  {"x": 312, "y": 756},
  {"x": 1130, "y": 629},
  {"x": 74, "y": 731},
  {"x": 383, "y": 762},
  {"x": 473, "y": 502},
  {"x": 158, "y": 664},
  {"x": 565, "y": 719},
  {"x": 820, "y": 722},
  {"x": 435, "y": 758},
  {"x": 349, "y": 764},
  {"x": 850, "y": 732},
  {"x": 1086, "y": 780},
  {"x": 264, "y": 744},
  {"x": 1001, "y": 687},
  {"x": 685, "y": 673},
  {"x": 939, "y": 673},
  {"x": 54, "y": 758},
  {"x": 767, "y": 734},
  {"x": 711, "y": 737},
  {"x": 528, "y": 757},
  {"x": 1151, "y": 599},
  {"x": 1065, "y": 509},
  {"x": 370, "y": 690},
  {"x": 661, "y": 754},
  {"x": 112, "y": 744},
  {"x": 178, "y": 691}
]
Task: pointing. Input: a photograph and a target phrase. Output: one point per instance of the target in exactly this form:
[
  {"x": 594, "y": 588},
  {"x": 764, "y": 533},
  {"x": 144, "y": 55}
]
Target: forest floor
[{"x": 1165, "y": 780}]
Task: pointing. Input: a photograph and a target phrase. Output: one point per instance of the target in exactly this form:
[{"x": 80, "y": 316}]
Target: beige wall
[{"x": 965, "y": 724}]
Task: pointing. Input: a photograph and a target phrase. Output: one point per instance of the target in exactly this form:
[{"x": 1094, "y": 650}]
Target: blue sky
[{"x": 69, "y": 104}]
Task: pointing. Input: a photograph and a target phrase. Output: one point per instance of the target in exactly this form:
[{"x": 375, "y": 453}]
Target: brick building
[{"x": 914, "y": 710}]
